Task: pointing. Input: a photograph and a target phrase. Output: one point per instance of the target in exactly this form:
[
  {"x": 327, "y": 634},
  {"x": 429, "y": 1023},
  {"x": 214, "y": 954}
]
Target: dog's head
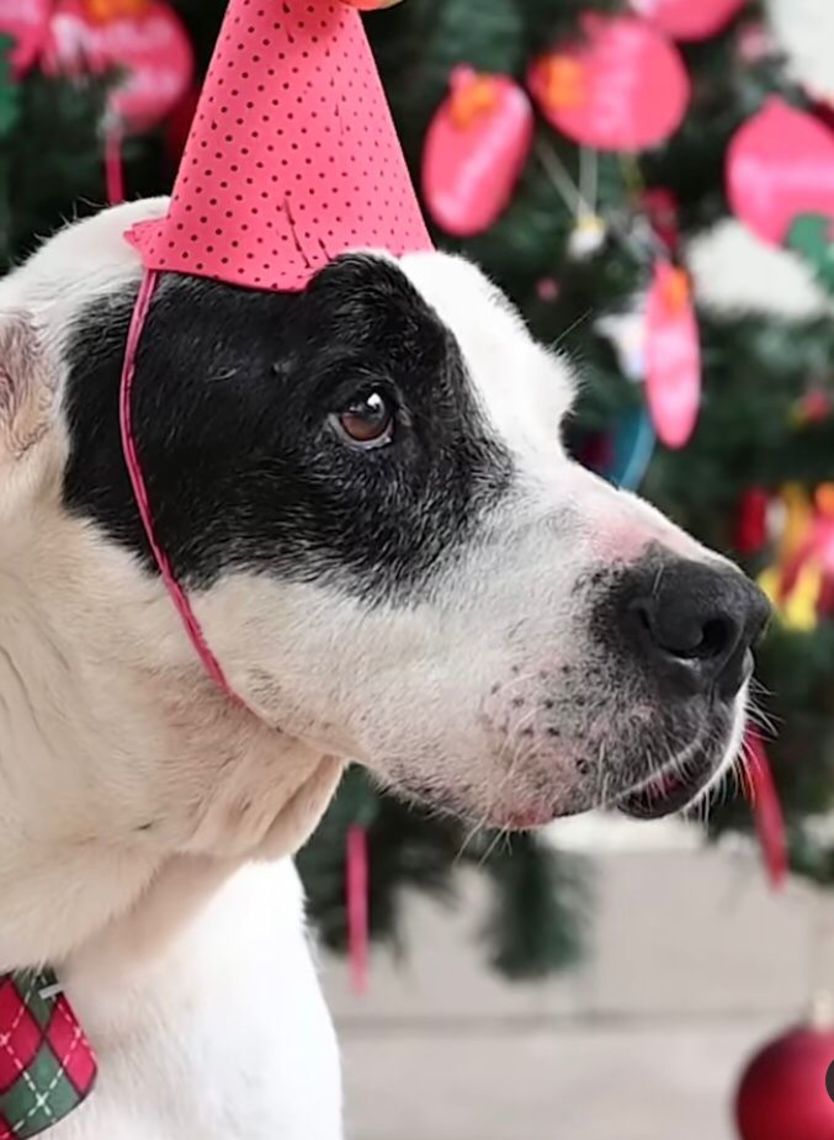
[{"x": 363, "y": 489}]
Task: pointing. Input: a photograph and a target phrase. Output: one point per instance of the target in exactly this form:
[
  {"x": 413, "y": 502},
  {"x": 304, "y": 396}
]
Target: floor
[{"x": 695, "y": 963}]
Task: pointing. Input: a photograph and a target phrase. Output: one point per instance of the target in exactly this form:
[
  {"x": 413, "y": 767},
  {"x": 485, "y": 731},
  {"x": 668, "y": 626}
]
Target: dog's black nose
[{"x": 697, "y": 624}]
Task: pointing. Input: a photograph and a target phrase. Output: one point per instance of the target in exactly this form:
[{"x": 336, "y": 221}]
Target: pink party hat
[{"x": 292, "y": 158}]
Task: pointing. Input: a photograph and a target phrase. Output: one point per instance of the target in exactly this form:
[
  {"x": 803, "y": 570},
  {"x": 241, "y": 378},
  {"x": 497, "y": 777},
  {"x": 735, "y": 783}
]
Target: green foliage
[
  {"x": 540, "y": 898},
  {"x": 755, "y": 370}
]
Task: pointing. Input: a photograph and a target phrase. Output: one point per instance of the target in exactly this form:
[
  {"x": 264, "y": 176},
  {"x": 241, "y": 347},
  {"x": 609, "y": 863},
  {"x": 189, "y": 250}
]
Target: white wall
[{"x": 695, "y": 963}]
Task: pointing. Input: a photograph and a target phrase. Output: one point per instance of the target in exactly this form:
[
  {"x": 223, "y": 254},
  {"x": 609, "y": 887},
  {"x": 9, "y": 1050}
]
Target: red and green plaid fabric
[{"x": 47, "y": 1067}]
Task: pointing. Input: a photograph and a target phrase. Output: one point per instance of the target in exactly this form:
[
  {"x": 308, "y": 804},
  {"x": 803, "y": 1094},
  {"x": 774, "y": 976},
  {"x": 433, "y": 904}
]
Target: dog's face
[{"x": 363, "y": 489}]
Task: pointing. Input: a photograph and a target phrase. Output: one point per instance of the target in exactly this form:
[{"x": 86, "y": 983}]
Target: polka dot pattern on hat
[{"x": 293, "y": 157}]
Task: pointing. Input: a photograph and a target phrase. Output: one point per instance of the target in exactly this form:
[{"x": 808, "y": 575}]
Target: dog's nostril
[
  {"x": 685, "y": 633},
  {"x": 696, "y": 624},
  {"x": 717, "y": 634}
]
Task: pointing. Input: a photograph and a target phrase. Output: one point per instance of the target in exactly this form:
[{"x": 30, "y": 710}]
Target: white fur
[{"x": 146, "y": 822}]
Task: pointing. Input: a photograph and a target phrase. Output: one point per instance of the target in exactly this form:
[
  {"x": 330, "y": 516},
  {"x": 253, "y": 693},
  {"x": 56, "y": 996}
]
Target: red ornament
[
  {"x": 779, "y": 165},
  {"x": 690, "y": 19},
  {"x": 623, "y": 87},
  {"x": 782, "y": 1095},
  {"x": 145, "y": 38},
  {"x": 661, "y": 207},
  {"x": 475, "y": 150},
  {"x": 751, "y": 522}
]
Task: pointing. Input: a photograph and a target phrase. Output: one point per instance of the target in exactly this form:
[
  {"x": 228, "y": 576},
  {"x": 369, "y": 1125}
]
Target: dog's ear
[{"x": 27, "y": 388}]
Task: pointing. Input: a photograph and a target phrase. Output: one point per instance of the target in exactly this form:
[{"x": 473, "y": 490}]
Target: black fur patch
[{"x": 232, "y": 403}]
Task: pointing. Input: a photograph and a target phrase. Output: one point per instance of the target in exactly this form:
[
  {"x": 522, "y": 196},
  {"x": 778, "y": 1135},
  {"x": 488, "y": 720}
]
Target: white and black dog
[{"x": 363, "y": 489}]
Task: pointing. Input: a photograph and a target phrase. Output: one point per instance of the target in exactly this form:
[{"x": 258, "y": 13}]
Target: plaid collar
[{"x": 47, "y": 1067}]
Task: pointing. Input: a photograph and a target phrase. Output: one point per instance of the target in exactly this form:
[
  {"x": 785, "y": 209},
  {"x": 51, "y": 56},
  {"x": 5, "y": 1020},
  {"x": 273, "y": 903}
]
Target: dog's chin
[{"x": 673, "y": 790}]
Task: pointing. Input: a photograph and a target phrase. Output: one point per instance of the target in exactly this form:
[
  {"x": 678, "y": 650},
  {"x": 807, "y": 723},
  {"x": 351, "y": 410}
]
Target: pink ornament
[
  {"x": 755, "y": 42},
  {"x": 547, "y": 289},
  {"x": 149, "y": 44},
  {"x": 624, "y": 87},
  {"x": 475, "y": 150},
  {"x": 26, "y": 22},
  {"x": 689, "y": 19},
  {"x": 673, "y": 356},
  {"x": 779, "y": 165}
]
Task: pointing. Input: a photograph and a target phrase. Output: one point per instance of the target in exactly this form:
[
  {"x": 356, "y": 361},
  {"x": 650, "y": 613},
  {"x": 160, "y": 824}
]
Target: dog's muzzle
[{"x": 694, "y": 626}]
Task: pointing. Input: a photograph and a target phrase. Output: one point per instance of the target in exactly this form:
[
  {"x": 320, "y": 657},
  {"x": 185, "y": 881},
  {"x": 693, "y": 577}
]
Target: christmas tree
[{"x": 581, "y": 223}]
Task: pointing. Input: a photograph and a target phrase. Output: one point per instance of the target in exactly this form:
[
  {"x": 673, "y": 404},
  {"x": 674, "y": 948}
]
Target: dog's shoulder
[{"x": 227, "y": 1026}]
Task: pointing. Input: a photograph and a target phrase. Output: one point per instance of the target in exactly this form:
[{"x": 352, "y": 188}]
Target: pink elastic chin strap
[
  {"x": 140, "y": 490},
  {"x": 292, "y": 159}
]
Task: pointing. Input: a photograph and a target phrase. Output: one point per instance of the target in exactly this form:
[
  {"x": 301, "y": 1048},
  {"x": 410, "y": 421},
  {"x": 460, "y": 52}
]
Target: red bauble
[{"x": 783, "y": 1094}]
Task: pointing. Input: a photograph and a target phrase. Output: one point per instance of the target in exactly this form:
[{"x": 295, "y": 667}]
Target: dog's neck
[{"x": 122, "y": 771}]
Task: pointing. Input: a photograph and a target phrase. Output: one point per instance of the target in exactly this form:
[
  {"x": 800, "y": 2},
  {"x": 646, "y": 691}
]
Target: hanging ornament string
[
  {"x": 357, "y": 886},
  {"x": 114, "y": 172},
  {"x": 644, "y": 248}
]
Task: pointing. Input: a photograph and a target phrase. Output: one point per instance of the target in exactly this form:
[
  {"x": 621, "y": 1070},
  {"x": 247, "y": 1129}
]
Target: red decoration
[
  {"x": 673, "y": 356},
  {"x": 476, "y": 147},
  {"x": 767, "y": 810},
  {"x": 813, "y": 407},
  {"x": 26, "y": 22},
  {"x": 783, "y": 1094},
  {"x": 779, "y": 165},
  {"x": 661, "y": 207},
  {"x": 690, "y": 19},
  {"x": 144, "y": 37},
  {"x": 751, "y": 523},
  {"x": 623, "y": 87}
]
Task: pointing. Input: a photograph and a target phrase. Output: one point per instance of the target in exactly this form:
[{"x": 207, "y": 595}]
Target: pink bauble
[
  {"x": 690, "y": 19},
  {"x": 622, "y": 87},
  {"x": 150, "y": 46},
  {"x": 476, "y": 147},
  {"x": 26, "y": 22},
  {"x": 780, "y": 164},
  {"x": 673, "y": 356}
]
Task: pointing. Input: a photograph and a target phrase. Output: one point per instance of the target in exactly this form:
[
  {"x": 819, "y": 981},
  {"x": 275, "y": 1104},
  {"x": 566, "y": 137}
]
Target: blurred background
[{"x": 652, "y": 182}]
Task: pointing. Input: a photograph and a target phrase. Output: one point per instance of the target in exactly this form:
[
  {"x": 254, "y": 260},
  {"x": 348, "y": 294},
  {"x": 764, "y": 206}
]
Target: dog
[{"x": 363, "y": 489}]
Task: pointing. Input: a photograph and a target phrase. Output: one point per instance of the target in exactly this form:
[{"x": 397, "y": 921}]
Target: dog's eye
[{"x": 367, "y": 421}]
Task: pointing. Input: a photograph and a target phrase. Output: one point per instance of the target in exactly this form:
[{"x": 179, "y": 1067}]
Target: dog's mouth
[{"x": 669, "y": 793}]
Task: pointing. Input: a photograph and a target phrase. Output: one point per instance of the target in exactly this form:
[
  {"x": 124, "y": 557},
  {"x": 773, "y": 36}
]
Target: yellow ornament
[
  {"x": 799, "y": 518},
  {"x": 799, "y": 611}
]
